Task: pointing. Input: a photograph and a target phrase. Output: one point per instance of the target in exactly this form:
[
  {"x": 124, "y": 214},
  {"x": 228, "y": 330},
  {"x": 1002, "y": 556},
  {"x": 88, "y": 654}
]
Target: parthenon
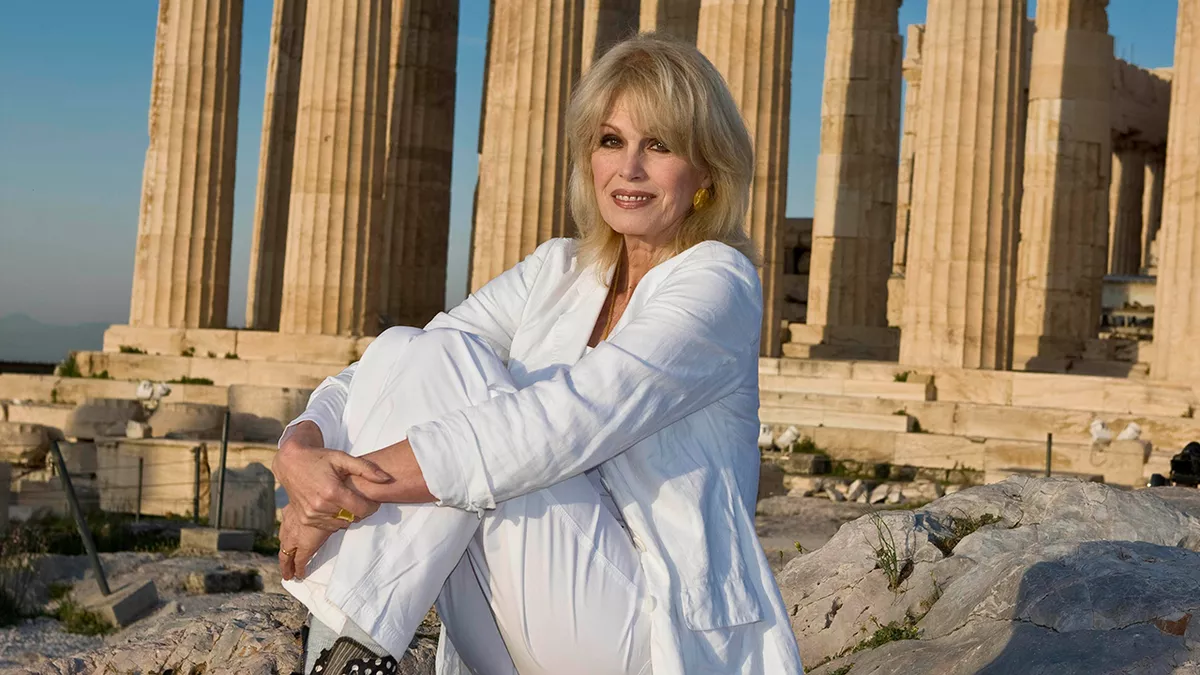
[{"x": 1004, "y": 225}]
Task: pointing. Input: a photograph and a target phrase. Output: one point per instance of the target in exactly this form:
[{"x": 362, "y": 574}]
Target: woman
[{"x": 586, "y": 423}]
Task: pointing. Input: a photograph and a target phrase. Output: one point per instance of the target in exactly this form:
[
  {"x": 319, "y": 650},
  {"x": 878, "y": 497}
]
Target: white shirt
[{"x": 666, "y": 410}]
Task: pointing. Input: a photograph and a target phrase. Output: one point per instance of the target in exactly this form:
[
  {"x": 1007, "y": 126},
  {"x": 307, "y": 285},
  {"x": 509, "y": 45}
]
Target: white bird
[
  {"x": 152, "y": 391},
  {"x": 1132, "y": 432},
  {"x": 1100, "y": 431}
]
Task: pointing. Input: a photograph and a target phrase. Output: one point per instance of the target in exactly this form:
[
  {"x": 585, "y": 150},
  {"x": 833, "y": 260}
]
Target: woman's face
[{"x": 643, "y": 188}]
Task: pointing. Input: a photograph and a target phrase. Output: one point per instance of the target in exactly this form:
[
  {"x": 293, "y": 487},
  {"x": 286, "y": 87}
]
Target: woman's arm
[{"x": 678, "y": 355}]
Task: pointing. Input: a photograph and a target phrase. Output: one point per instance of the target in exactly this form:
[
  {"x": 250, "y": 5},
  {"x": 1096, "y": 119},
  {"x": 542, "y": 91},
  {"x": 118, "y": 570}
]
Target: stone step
[
  {"x": 1000, "y": 422},
  {"x": 818, "y": 417},
  {"x": 54, "y": 389},
  {"x": 222, "y": 372},
  {"x": 244, "y": 345},
  {"x": 1120, "y": 463},
  {"x": 906, "y": 391}
]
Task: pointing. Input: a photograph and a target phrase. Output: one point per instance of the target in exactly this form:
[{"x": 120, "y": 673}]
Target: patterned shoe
[{"x": 348, "y": 657}]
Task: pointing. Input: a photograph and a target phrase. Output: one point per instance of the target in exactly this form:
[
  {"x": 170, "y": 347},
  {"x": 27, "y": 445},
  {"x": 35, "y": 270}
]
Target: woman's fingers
[
  {"x": 357, "y": 466},
  {"x": 298, "y": 543}
]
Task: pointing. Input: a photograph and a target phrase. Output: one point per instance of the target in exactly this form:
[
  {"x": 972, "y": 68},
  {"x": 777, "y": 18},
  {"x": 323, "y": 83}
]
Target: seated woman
[{"x": 586, "y": 424}]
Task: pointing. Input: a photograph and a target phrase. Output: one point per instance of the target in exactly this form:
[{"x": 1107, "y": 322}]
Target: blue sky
[{"x": 74, "y": 97}]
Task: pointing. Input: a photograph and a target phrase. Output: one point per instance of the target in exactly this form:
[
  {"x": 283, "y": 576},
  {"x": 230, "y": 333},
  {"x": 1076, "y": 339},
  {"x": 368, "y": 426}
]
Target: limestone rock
[
  {"x": 223, "y": 581},
  {"x": 100, "y": 417},
  {"x": 23, "y": 443},
  {"x": 1061, "y": 571},
  {"x": 834, "y": 494},
  {"x": 188, "y": 420},
  {"x": 770, "y": 480},
  {"x": 249, "y": 498}
]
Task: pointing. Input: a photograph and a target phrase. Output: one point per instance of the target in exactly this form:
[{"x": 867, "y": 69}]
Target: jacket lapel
[{"x": 577, "y": 323}]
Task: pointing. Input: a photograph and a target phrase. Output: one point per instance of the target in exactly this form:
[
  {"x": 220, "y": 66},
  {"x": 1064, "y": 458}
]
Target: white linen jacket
[{"x": 667, "y": 408}]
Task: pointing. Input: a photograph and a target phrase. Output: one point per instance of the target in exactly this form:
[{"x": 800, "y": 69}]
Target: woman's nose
[{"x": 632, "y": 166}]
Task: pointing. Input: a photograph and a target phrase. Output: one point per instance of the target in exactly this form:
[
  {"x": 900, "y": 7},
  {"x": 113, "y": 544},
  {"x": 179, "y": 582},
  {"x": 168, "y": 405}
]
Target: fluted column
[
  {"x": 424, "y": 45},
  {"x": 1152, "y": 206},
  {"x": 280, "y": 107},
  {"x": 908, "y": 144},
  {"x": 185, "y": 224},
  {"x": 1125, "y": 209},
  {"x": 605, "y": 23},
  {"x": 677, "y": 18},
  {"x": 1064, "y": 207},
  {"x": 534, "y": 58},
  {"x": 750, "y": 43},
  {"x": 1177, "y": 302},
  {"x": 962, "y": 246},
  {"x": 854, "y": 220},
  {"x": 333, "y": 270}
]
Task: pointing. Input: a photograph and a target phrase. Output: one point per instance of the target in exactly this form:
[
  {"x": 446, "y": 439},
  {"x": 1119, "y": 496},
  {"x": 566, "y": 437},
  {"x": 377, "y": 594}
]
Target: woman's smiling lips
[{"x": 631, "y": 199}]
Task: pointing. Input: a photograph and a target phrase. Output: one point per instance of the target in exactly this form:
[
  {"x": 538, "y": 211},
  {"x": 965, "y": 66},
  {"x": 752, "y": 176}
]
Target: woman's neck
[{"x": 637, "y": 257}]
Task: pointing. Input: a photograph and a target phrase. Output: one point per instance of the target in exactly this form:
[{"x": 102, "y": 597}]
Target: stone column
[
  {"x": 1125, "y": 209},
  {"x": 908, "y": 155},
  {"x": 185, "y": 224},
  {"x": 962, "y": 247},
  {"x": 280, "y": 107},
  {"x": 534, "y": 60},
  {"x": 1177, "y": 302},
  {"x": 333, "y": 269},
  {"x": 1152, "y": 205},
  {"x": 424, "y": 48},
  {"x": 854, "y": 221},
  {"x": 1064, "y": 207},
  {"x": 605, "y": 23},
  {"x": 678, "y": 18},
  {"x": 750, "y": 43}
]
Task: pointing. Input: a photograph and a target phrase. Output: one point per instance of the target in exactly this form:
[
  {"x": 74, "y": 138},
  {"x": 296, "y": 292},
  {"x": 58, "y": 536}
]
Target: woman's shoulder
[{"x": 720, "y": 254}]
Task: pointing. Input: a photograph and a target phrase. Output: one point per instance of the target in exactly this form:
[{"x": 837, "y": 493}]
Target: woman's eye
[
  {"x": 610, "y": 141},
  {"x": 657, "y": 146}
]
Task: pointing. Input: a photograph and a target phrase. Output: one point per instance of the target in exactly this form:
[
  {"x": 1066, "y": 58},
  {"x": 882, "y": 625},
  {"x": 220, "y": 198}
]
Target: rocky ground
[{"x": 1028, "y": 576}]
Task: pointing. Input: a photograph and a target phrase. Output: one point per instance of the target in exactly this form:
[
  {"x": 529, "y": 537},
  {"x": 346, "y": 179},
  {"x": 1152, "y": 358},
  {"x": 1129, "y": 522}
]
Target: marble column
[
  {"x": 960, "y": 287},
  {"x": 1125, "y": 209},
  {"x": 185, "y": 224},
  {"x": 678, "y": 18},
  {"x": 908, "y": 154},
  {"x": 280, "y": 107},
  {"x": 854, "y": 220},
  {"x": 1064, "y": 207},
  {"x": 605, "y": 23},
  {"x": 335, "y": 254},
  {"x": 1152, "y": 205},
  {"x": 424, "y": 47},
  {"x": 534, "y": 60},
  {"x": 1177, "y": 302},
  {"x": 750, "y": 43}
]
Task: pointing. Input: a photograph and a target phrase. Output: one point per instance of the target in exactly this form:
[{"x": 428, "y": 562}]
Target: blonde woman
[{"x": 566, "y": 463}]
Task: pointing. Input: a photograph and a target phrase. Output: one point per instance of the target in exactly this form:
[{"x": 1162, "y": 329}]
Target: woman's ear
[{"x": 706, "y": 180}]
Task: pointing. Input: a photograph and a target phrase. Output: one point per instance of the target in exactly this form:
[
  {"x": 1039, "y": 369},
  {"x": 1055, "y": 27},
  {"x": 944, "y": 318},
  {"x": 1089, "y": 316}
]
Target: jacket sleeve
[
  {"x": 492, "y": 313},
  {"x": 678, "y": 354}
]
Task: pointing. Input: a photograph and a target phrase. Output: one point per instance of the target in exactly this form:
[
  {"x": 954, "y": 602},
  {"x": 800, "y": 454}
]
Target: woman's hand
[
  {"x": 297, "y": 544},
  {"x": 315, "y": 480}
]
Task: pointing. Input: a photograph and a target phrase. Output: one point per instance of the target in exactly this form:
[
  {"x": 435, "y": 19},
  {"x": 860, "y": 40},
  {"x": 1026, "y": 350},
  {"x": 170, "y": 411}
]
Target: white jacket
[{"x": 667, "y": 408}]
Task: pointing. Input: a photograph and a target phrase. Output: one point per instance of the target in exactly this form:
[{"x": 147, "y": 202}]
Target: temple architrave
[{"x": 1005, "y": 240}]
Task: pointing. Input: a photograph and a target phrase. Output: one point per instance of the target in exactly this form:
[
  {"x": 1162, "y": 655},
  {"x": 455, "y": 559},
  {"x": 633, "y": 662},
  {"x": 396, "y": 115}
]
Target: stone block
[
  {"x": 208, "y": 539},
  {"x": 250, "y": 498},
  {"x": 910, "y": 390},
  {"x": 857, "y": 444},
  {"x": 808, "y": 464},
  {"x": 223, "y": 581},
  {"x": 188, "y": 420},
  {"x": 47, "y": 496},
  {"x": 52, "y": 416},
  {"x": 974, "y": 386},
  {"x": 770, "y": 480},
  {"x": 841, "y": 370},
  {"x": 260, "y": 413},
  {"x": 80, "y": 458},
  {"x": 816, "y": 417},
  {"x": 138, "y": 430},
  {"x": 99, "y": 417},
  {"x": 23, "y": 443},
  {"x": 123, "y": 606},
  {"x": 297, "y": 348}
]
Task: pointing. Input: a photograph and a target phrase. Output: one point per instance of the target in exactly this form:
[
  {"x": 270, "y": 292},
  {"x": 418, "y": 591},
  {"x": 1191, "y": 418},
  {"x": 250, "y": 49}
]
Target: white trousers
[{"x": 548, "y": 582}]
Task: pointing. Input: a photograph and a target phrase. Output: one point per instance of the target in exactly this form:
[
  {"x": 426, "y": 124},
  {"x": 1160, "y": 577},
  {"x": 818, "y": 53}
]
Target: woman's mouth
[{"x": 631, "y": 200}]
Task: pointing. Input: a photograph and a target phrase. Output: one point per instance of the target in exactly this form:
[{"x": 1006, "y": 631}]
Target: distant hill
[{"x": 23, "y": 338}]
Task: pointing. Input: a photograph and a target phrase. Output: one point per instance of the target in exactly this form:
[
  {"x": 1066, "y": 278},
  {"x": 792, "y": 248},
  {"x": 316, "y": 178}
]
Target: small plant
[
  {"x": 900, "y": 413},
  {"x": 265, "y": 545},
  {"x": 190, "y": 380},
  {"x": 57, "y": 590},
  {"x": 806, "y": 446},
  {"x": 1190, "y": 412},
  {"x": 902, "y": 377},
  {"x": 916, "y": 426},
  {"x": 129, "y": 349},
  {"x": 960, "y": 528},
  {"x": 231, "y": 356},
  {"x": 68, "y": 368},
  {"x": 76, "y": 619},
  {"x": 189, "y": 352},
  {"x": 212, "y": 355},
  {"x": 892, "y": 632},
  {"x": 102, "y": 375},
  {"x": 54, "y": 395},
  {"x": 799, "y": 548},
  {"x": 886, "y": 557},
  {"x": 843, "y": 670}
]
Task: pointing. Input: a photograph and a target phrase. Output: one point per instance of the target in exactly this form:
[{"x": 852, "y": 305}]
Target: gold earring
[{"x": 701, "y": 199}]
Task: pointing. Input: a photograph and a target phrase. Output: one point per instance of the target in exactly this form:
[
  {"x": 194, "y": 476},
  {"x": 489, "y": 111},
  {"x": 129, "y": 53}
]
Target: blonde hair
[{"x": 677, "y": 96}]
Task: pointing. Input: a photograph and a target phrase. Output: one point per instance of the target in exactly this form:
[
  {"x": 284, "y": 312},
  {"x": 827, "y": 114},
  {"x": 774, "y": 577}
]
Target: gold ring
[
  {"x": 291, "y": 551},
  {"x": 345, "y": 515}
]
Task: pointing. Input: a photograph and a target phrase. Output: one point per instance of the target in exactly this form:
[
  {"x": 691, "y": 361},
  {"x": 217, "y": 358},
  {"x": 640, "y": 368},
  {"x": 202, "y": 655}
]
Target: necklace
[{"x": 612, "y": 302}]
